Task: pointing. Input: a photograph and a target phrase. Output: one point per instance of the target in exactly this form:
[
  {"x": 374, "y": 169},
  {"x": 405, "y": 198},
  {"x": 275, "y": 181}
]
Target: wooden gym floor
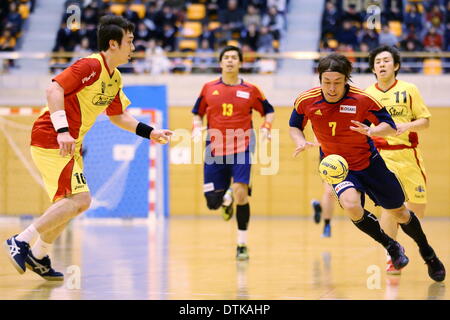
[{"x": 193, "y": 258}]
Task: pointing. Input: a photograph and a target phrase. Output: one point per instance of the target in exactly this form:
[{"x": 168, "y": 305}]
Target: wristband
[
  {"x": 59, "y": 119},
  {"x": 64, "y": 129},
  {"x": 143, "y": 130}
]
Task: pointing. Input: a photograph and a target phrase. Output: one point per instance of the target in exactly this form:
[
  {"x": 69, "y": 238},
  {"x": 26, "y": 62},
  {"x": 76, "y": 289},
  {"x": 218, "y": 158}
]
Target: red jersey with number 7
[
  {"x": 331, "y": 123},
  {"x": 228, "y": 109}
]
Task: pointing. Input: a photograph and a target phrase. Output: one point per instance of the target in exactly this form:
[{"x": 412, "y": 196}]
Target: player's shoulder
[
  {"x": 93, "y": 61},
  {"x": 405, "y": 85},
  {"x": 212, "y": 83},
  {"x": 359, "y": 93},
  {"x": 363, "y": 96},
  {"x": 307, "y": 95},
  {"x": 372, "y": 89}
]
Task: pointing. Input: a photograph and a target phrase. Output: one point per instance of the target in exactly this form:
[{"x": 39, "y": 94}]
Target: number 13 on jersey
[{"x": 227, "y": 109}]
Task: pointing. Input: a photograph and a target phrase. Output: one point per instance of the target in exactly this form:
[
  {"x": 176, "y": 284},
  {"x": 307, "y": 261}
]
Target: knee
[
  {"x": 83, "y": 201},
  {"x": 214, "y": 199},
  {"x": 353, "y": 208},
  {"x": 240, "y": 195},
  {"x": 400, "y": 214}
]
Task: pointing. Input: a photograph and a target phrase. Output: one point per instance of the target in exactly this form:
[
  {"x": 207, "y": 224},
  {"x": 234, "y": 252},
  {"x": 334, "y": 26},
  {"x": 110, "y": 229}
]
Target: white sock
[
  {"x": 28, "y": 234},
  {"x": 41, "y": 248},
  {"x": 242, "y": 237},
  {"x": 227, "y": 198}
]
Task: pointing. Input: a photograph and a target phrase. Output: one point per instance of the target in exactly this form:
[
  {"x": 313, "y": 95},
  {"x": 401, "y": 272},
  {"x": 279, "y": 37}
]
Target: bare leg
[
  {"x": 327, "y": 202},
  {"x": 61, "y": 212}
]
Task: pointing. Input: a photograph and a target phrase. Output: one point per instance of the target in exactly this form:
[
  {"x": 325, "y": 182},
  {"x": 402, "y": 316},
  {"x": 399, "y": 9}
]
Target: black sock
[
  {"x": 369, "y": 225},
  {"x": 327, "y": 222},
  {"x": 243, "y": 216},
  {"x": 413, "y": 229}
]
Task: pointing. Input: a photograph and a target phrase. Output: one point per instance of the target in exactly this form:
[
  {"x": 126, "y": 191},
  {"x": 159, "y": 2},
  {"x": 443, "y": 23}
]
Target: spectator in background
[
  {"x": 141, "y": 37},
  {"x": 447, "y": 13},
  {"x": 447, "y": 37},
  {"x": 130, "y": 15},
  {"x": 13, "y": 19},
  {"x": 65, "y": 39},
  {"x": 252, "y": 16},
  {"x": 411, "y": 64},
  {"x": 352, "y": 15},
  {"x": 433, "y": 41},
  {"x": 387, "y": 37},
  {"x": 394, "y": 9},
  {"x": 231, "y": 19},
  {"x": 165, "y": 17},
  {"x": 169, "y": 37},
  {"x": 363, "y": 62},
  {"x": 435, "y": 17},
  {"x": 274, "y": 22},
  {"x": 82, "y": 50},
  {"x": 208, "y": 35},
  {"x": 265, "y": 41},
  {"x": 414, "y": 18},
  {"x": 156, "y": 58},
  {"x": 330, "y": 19},
  {"x": 369, "y": 37},
  {"x": 347, "y": 35},
  {"x": 250, "y": 37},
  {"x": 7, "y": 43},
  {"x": 204, "y": 59},
  {"x": 90, "y": 16}
]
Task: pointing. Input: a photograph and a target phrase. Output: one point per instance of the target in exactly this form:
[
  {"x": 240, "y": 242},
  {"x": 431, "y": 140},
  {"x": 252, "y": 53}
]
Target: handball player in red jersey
[
  {"x": 341, "y": 117},
  {"x": 228, "y": 103}
]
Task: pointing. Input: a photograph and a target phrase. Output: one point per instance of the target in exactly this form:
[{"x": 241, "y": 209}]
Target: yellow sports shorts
[
  {"x": 62, "y": 176},
  {"x": 408, "y": 165}
]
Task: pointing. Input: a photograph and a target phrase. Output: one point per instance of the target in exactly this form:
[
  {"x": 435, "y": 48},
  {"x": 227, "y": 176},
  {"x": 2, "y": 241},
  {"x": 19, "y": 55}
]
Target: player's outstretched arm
[
  {"x": 300, "y": 141},
  {"x": 55, "y": 99},
  {"x": 129, "y": 123},
  {"x": 416, "y": 125},
  {"x": 381, "y": 130}
]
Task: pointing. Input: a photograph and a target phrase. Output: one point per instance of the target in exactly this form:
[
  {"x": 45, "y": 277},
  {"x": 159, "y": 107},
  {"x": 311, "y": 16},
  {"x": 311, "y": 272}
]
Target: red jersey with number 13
[{"x": 228, "y": 109}]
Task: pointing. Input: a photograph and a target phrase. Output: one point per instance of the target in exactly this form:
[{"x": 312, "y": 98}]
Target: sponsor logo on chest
[
  {"x": 243, "y": 94},
  {"x": 347, "y": 109}
]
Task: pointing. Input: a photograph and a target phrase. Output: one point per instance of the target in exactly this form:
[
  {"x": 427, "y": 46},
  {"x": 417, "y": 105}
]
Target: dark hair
[
  {"x": 112, "y": 28},
  {"x": 392, "y": 50},
  {"x": 335, "y": 63},
  {"x": 231, "y": 48}
]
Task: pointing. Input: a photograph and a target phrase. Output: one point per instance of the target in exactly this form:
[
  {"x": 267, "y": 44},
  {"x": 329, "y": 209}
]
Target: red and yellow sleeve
[
  {"x": 82, "y": 73},
  {"x": 119, "y": 104},
  {"x": 418, "y": 107}
]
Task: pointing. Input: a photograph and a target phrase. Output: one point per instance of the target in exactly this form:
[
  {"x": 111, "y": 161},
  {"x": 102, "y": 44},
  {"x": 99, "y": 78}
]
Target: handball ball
[{"x": 333, "y": 169}]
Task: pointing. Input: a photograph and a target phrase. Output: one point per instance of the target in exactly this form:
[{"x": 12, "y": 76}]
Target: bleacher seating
[
  {"x": 176, "y": 26},
  {"x": 413, "y": 26}
]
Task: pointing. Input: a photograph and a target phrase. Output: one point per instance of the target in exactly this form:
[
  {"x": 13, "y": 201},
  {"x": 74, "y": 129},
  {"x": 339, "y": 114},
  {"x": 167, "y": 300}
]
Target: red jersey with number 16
[{"x": 331, "y": 123}]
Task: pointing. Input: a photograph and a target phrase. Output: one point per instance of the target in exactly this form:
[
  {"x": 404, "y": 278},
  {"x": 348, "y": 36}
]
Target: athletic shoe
[
  {"x": 436, "y": 269},
  {"x": 326, "y": 231},
  {"x": 17, "y": 253},
  {"x": 242, "y": 252},
  {"x": 43, "y": 267},
  {"x": 397, "y": 254},
  {"x": 390, "y": 269},
  {"x": 317, "y": 210},
  {"x": 227, "y": 211}
]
